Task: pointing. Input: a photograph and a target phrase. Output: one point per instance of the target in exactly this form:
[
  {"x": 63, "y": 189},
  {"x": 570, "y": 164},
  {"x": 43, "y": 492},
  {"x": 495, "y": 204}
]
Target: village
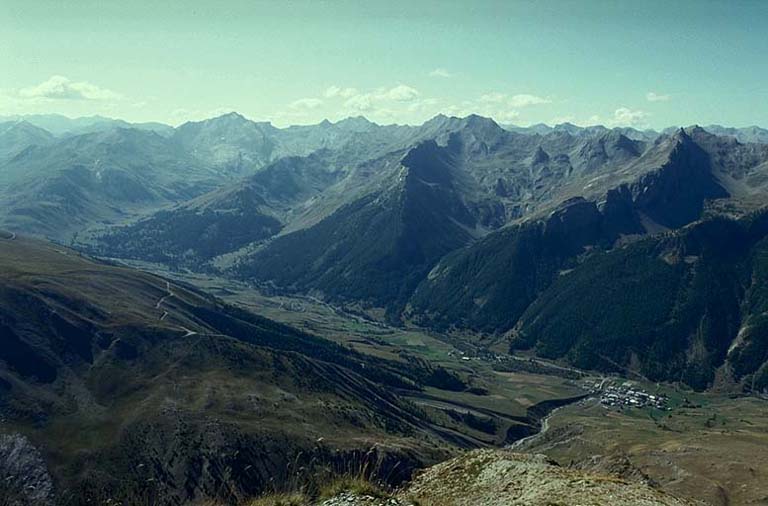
[
  {"x": 612, "y": 392},
  {"x": 626, "y": 394}
]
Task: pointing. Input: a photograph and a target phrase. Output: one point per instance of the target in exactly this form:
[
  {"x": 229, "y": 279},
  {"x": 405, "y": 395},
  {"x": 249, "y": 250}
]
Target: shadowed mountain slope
[
  {"x": 681, "y": 307},
  {"x": 126, "y": 379}
]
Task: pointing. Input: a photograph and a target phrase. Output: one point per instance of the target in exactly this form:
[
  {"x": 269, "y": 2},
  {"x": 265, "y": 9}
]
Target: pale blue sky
[{"x": 644, "y": 62}]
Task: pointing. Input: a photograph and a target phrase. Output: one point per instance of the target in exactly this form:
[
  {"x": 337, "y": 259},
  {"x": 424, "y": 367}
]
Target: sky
[{"x": 641, "y": 63}]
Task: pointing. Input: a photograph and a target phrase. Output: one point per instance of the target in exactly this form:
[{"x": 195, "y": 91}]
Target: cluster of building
[
  {"x": 628, "y": 395},
  {"x": 480, "y": 354}
]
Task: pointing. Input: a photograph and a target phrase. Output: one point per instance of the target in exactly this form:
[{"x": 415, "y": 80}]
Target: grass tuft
[
  {"x": 280, "y": 499},
  {"x": 354, "y": 484}
]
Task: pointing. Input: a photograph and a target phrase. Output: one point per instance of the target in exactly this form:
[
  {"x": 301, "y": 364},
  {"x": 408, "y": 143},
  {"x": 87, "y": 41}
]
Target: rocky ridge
[{"x": 504, "y": 478}]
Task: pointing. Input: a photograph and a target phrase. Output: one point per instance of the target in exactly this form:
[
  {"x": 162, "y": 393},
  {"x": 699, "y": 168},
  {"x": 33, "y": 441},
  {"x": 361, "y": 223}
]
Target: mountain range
[{"x": 457, "y": 224}]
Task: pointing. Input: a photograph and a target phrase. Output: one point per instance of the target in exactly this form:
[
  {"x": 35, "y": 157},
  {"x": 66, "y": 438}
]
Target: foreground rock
[
  {"x": 351, "y": 499},
  {"x": 504, "y": 478}
]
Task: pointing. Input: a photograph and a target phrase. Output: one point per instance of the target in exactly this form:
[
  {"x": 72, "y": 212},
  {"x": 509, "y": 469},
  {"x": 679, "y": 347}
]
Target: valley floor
[{"x": 699, "y": 446}]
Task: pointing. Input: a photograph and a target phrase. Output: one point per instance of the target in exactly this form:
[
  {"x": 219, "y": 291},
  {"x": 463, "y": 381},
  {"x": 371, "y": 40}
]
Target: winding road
[{"x": 158, "y": 305}]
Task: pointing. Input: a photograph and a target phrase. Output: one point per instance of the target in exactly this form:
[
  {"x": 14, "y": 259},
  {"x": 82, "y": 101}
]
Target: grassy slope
[
  {"x": 206, "y": 400},
  {"x": 509, "y": 395}
]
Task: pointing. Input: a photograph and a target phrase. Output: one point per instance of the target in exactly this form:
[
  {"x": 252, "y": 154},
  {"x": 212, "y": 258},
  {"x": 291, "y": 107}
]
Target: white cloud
[
  {"x": 382, "y": 98},
  {"x": 624, "y": 116},
  {"x": 337, "y": 91},
  {"x": 401, "y": 93},
  {"x": 655, "y": 97},
  {"x": 62, "y": 88},
  {"x": 593, "y": 120},
  {"x": 519, "y": 100},
  {"x": 440, "y": 72},
  {"x": 360, "y": 103},
  {"x": 524, "y": 100},
  {"x": 306, "y": 103},
  {"x": 424, "y": 104},
  {"x": 505, "y": 115},
  {"x": 493, "y": 97}
]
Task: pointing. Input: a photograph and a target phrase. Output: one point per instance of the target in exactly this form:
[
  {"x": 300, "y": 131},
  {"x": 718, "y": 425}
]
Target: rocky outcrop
[
  {"x": 674, "y": 195},
  {"x": 503, "y": 478},
  {"x": 24, "y": 477}
]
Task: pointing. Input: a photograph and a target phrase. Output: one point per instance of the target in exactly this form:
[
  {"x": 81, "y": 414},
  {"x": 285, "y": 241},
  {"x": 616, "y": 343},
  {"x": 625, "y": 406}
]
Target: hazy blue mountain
[
  {"x": 227, "y": 219},
  {"x": 543, "y": 129},
  {"x": 240, "y": 146},
  {"x": 16, "y": 136},
  {"x": 372, "y": 215},
  {"x": 60, "y": 125},
  {"x": 64, "y": 186},
  {"x": 746, "y": 135},
  {"x": 61, "y": 186},
  {"x": 229, "y": 142}
]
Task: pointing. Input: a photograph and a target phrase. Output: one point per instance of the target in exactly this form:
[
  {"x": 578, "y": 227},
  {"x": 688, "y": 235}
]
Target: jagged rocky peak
[
  {"x": 474, "y": 123},
  {"x": 476, "y": 135},
  {"x": 617, "y": 141},
  {"x": 426, "y": 161},
  {"x": 355, "y": 124},
  {"x": 539, "y": 156},
  {"x": 231, "y": 116},
  {"x": 229, "y": 121},
  {"x": 567, "y": 127},
  {"x": 483, "y": 129},
  {"x": 421, "y": 153},
  {"x": 475, "y": 120},
  {"x": 705, "y": 138},
  {"x": 695, "y": 130},
  {"x": 680, "y": 136}
]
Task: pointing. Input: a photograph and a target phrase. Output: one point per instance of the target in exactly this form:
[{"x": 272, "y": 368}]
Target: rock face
[
  {"x": 350, "y": 499},
  {"x": 24, "y": 477},
  {"x": 503, "y": 478}
]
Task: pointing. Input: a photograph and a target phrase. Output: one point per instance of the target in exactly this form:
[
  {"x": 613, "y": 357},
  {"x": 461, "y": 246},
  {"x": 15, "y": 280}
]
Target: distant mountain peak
[
  {"x": 476, "y": 119},
  {"x": 683, "y": 135},
  {"x": 358, "y": 123},
  {"x": 617, "y": 139},
  {"x": 231, "y": 118},
  {"x": 234, "y": 115}
]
